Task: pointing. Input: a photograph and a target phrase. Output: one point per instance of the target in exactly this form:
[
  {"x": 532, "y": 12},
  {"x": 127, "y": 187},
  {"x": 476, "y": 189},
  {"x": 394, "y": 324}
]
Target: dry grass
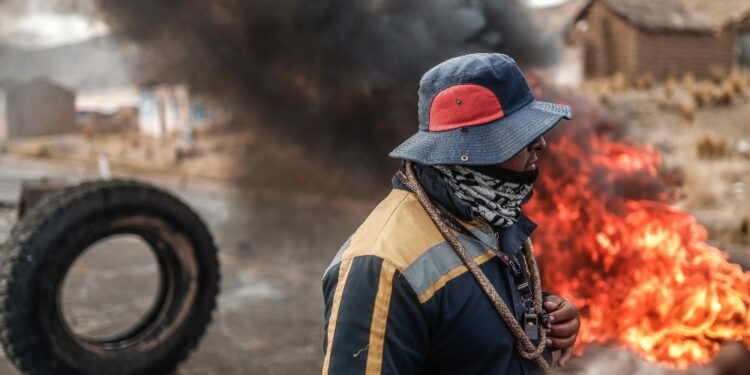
[
  {"x": 89, "y": 133},
  {"x": 663, "y": 102},
  {"x": 740, "y": 82},
  {"x": 685, "y": 96},
  {"x": 720, "y": 90},
  {"x": 712, "y": 147},
  {"x": 717, "y": 74},
  {"x": 670, "y": 85},
  {"x": 645, "y": 82},
  {"x": 726, "y": 94},
  {"x": 703, "y": 93},
  {"x": 619, "y": 82},
  {"x": 688, "y": 82},
  {"x": 742, "y": 234},
  {"x": 687, "y": 109}
]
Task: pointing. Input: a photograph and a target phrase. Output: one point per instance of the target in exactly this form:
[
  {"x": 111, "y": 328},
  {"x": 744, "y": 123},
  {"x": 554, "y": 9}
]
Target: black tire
[{"x": 44, "y": 244}]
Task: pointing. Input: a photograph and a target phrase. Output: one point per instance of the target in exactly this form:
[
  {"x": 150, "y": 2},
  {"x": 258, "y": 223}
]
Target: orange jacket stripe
[
  {"x": 343, "y": 273},
  {"x": 379, "y": 319}
]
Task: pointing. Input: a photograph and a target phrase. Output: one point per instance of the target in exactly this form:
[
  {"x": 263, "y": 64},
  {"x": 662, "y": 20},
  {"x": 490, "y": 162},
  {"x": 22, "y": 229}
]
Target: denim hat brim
[{"x": 492, "y": 143}]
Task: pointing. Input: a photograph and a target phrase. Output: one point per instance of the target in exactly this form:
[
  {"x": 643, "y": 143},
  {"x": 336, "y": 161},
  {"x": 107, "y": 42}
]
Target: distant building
[
  {"x": 662, "y": 37},
  {"x": 164, "y": 109},
  {"x": 36, "y": 107}
]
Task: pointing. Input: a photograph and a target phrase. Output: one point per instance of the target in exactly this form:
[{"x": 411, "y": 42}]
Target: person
[{"x": 440, "y": 278}]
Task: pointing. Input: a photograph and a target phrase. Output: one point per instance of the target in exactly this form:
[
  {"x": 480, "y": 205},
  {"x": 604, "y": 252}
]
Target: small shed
[
  {"x": 662, "y": 38},
  {"x": 164, "y": 109},
  {"x": 34, "y": 108}
]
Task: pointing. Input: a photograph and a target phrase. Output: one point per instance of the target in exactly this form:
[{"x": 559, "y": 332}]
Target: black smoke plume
[{"x": 340, "y": 76}]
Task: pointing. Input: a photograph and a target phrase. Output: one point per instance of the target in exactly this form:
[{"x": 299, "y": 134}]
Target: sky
[
  {"x": 42, "y": 23},
  {"x": 41, "y": 30},
  {"x": 34, "y": 24},
  {"x": 545, "y": 3}
]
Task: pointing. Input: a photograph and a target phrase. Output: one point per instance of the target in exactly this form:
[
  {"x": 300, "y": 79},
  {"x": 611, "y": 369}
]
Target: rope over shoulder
[{"x": 525, "y": 347}]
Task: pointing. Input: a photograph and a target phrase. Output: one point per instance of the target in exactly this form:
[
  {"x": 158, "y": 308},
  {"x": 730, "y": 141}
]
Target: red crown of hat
[{"x": 464, "y": 105}]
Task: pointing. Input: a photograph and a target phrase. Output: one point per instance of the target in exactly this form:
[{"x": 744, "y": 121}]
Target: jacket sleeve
[{"x": 374, "y": 322}]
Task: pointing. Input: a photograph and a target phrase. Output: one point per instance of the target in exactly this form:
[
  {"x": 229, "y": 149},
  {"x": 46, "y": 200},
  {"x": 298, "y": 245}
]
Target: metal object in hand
[{"x": 531, "y": 326}]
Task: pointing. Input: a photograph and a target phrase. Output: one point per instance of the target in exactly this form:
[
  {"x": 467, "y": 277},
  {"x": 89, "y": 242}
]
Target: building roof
[
  {"x": 15, "y": 84},
  {"x": 682, "y": 15},
  {"x": 557, "y": 18}
]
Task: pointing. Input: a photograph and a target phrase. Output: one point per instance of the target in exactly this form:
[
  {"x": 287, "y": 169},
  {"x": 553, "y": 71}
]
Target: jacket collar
[{"x": 510, "y": 238}]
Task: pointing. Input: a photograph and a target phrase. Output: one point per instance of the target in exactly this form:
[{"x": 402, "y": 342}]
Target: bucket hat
[{"x": 477, "y": 109}]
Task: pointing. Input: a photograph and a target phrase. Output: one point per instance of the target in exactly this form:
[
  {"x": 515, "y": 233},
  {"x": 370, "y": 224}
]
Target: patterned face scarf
[{"x": 495, "y": 195}]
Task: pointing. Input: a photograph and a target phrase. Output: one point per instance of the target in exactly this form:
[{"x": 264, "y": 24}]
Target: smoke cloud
[{"x": 340, "y": 76}]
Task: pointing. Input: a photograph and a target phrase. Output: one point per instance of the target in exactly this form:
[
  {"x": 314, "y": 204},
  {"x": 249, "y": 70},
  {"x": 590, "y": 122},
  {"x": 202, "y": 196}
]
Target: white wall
[{"x": 3, "y": 117}]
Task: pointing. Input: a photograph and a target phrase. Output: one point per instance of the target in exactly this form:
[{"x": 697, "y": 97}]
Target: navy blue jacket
[{"x": 398, "y": 300}]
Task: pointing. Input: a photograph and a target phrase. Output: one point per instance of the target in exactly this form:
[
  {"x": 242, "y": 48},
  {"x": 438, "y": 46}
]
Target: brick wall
[
  {"x": 664, "y": 54},
  {"x": 608, "y": 44}
]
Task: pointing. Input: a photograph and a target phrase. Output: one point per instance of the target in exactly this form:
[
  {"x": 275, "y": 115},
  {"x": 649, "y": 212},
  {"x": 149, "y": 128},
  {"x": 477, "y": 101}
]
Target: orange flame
[{"x": 639, "y": 269}]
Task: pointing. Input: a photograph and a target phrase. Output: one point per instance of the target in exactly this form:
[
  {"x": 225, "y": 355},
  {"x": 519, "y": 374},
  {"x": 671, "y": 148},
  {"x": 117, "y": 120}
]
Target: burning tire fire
[{"x": 640, "y": 269}]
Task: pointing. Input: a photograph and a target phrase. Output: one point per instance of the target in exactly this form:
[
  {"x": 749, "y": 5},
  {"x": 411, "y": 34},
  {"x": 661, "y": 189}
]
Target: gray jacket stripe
[
  {"x": 337, "y": 259},
  {"x": 441, "y": 258}
]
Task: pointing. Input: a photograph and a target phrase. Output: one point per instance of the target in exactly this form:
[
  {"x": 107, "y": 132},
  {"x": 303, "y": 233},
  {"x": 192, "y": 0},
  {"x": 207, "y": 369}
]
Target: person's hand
[{"x": 565, "y": 322}]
